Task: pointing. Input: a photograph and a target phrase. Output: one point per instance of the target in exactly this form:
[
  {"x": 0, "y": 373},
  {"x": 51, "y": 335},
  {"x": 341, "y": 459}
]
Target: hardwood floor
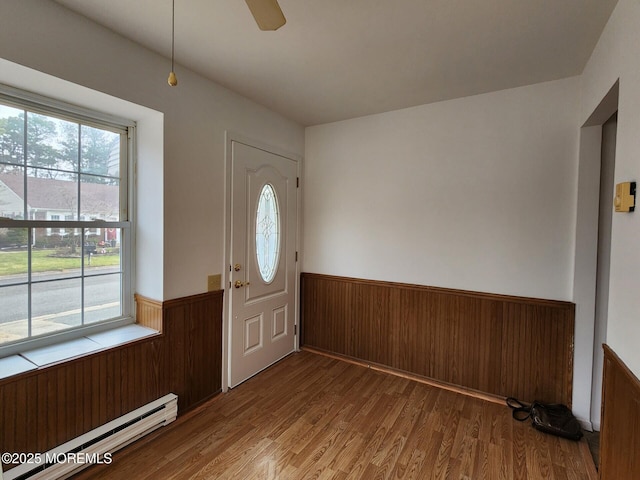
[{"x": 312, "y": 416}]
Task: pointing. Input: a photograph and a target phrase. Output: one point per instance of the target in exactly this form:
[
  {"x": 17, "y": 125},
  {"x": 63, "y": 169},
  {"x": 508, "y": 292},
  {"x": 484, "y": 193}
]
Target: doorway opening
[
  {"x": 592, "y": 260},
  {"x": 605, "y": 215}
]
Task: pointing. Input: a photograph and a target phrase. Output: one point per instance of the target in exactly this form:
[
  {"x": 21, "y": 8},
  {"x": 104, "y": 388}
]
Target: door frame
[
  {"x": 230, "y": 137},
  {"x": 603, "y": 266},
  {"x": 586, "y": 255}
]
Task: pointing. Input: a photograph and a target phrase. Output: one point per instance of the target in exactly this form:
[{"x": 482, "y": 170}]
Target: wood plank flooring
[{"x": 315, "y": 417}]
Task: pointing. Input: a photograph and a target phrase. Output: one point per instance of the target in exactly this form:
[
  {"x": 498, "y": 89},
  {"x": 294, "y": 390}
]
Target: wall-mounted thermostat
[{"x": 625, "y": 200}]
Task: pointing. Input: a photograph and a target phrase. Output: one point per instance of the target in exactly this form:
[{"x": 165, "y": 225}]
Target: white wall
[
  {"x": 616, "y": 57},
  {"x": 189, "y": 243},
  {"x": 476, "y": 193}
]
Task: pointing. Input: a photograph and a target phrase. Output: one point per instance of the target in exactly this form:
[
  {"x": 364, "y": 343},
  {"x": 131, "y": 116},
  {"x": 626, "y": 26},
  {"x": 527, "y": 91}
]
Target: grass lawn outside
[{"x": 15, "y": 263}]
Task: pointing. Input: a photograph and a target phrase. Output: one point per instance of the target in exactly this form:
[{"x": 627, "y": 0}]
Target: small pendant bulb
[{"x": 172, "y": 80}]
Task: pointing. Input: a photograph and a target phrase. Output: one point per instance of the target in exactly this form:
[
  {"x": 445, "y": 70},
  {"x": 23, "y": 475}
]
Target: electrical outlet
[{"x": 213, "y": 282}]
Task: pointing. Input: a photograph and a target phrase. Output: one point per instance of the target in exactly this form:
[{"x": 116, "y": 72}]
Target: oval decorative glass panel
[{"x": 267, "y": 233}]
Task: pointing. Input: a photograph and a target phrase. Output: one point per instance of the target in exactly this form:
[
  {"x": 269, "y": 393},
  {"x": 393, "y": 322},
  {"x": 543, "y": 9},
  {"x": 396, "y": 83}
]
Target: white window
[{"x": 65, "y": 226}]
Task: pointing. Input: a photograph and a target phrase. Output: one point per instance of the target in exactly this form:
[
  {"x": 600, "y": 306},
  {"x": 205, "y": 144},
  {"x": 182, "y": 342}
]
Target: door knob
[
  {"x": 240, "y": 283},
  {"x": 237, "y": 267}
]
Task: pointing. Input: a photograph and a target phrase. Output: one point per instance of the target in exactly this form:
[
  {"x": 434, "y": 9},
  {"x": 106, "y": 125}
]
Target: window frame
[{"x": 40, "y": 104}]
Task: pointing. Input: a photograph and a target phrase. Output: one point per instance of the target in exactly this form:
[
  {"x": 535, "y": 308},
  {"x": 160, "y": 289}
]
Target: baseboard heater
[{"x": 81, "y": 452}]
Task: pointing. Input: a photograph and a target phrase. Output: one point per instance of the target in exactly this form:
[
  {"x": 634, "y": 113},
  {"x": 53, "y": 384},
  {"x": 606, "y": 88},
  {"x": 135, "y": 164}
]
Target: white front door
[{"x": 262, "y": 260}]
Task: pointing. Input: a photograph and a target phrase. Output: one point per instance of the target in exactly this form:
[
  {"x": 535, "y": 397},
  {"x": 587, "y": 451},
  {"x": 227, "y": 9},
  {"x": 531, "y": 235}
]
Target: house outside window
[{"x": 65, "y": 227}]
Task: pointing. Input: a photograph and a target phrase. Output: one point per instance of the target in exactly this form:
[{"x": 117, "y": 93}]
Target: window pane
[
  {"x": 99, "y": 200},
  {"x": 52, "y": 144},
  {"x": 14, "y": 259},
  {"x": 11, "y": 137},
  {"x": 102, "y": 298},
  {"x": 14, "y": 313},
  {"x": 57, "y": 253},
  {"x": 12, "y": 193},
  {"x": 43, "y": 147},
  {"x": 55, "y": 305},
  {"x": 52, "y": 198},
  {"x": 65, "y": 144},
  {"x": 104, "y": 257},
  {"x": 267, "y": 233},
  {"x": 100, "y": 152}
]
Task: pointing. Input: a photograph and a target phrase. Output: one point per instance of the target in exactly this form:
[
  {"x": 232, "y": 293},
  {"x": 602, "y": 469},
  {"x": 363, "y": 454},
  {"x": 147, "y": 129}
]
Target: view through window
[{"x": 64, "y": 226}]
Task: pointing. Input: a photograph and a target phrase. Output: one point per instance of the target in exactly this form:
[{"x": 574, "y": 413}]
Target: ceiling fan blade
[{"x": 267, "y": 13}]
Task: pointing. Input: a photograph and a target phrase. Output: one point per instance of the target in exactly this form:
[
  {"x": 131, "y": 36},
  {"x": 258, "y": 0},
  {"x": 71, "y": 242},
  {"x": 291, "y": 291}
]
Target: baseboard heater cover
[{"x": 107, "y": 438}]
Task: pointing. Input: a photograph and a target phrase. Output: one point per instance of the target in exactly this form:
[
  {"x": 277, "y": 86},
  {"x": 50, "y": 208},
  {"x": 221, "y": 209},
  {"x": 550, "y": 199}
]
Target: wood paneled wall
[
  {"x": 195, "y": 326},
  {"x": 620, "y": 433},
  {"x": 502, "y": 345},
  {"x": 49, "y": 406},
  {"x": 149, "y": 313}
]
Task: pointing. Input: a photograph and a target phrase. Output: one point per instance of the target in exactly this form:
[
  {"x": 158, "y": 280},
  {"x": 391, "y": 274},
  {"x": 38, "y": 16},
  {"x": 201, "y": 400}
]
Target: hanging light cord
[
  {"x": 172, "y": 80},
  {"x": 173, "y": 29}
]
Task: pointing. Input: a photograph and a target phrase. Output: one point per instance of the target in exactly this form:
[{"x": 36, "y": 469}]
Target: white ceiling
[{"x": 339, "y": 59}]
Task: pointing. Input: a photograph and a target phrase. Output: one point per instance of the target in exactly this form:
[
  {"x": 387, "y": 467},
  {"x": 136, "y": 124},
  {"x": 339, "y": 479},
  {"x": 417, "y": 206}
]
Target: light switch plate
[
  {"x": 213, "y": 282},
  {"x": 625, "y": 200}
]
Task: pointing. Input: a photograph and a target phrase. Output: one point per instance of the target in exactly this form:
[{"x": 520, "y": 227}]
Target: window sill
[{"x": 33, "y": 359}]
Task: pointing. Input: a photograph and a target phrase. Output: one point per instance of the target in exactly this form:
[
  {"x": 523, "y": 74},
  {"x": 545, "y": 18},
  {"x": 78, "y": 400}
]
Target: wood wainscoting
[
  {"x": 501, "y": 345},
  {"x": 620, "y": 434},
  {"x": 49, "y": 406}
]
